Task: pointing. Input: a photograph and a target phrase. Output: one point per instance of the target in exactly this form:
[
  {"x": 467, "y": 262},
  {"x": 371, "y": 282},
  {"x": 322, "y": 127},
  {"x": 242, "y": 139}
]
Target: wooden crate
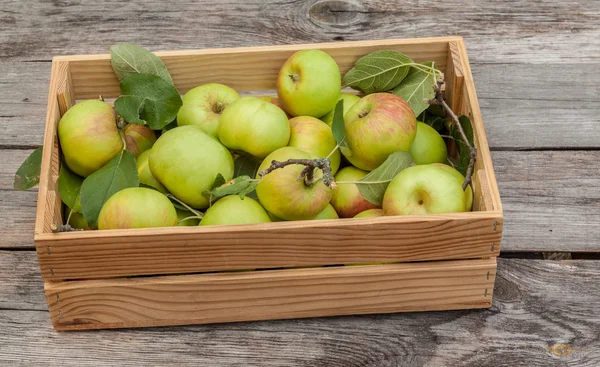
[{"x": 183, "y": 275}]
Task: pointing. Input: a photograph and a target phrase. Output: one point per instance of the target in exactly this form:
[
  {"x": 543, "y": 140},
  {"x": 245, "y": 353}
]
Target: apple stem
[
  {"x": 439, "y": 100},
  {"x": 307, "y": 173}
]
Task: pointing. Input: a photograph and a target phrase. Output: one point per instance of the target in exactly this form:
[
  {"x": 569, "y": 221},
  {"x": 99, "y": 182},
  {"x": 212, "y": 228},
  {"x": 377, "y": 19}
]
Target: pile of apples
[{"x": 216, "y": 125}]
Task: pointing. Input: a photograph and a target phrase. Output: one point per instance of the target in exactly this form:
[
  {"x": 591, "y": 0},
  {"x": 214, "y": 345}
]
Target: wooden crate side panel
[
  {"x": 178, "y": 250},
  {"x": 49, "y": 204},
  {"x": 470, "y": 107},
  {"x": 262, "y": 295},
  {"x": 454, "y": 77},
  {"x": 245, "y": 68}
]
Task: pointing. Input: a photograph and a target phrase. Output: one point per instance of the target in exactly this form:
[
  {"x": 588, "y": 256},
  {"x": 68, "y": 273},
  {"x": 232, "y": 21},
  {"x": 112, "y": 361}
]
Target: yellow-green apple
[
  {"x": 327, "y": 213},
  {"x": 346, "y": 199},
  {"x": 349, "y": 101},
  {"x": 286, "y": 197},
  {"x": 254, "y": 126},
  {"x": 370, "y": 213},
  {"x": 78, "y": 221},
  {"x": 423, "y": 189},
  {"x": 144, "y": 173},
  {"x": 186, "y": 161},
  {"x": 461, "y": 179},
  {"x": 137, "y": 207},
  {"x": 428, "y": 146},
  {"x": 309, "y": 83},
  {"x": 88, "y": 136},
  {"x": 203, "y": 106},
  {"x": 138, "y": 138},
  {"x": 235, "y": 210},
  {"x": 275, "y": 101},
  {"x": 182, "y": 214},
  {"x": 314, "y": 136},
  {"x": 376, "y": 126}
]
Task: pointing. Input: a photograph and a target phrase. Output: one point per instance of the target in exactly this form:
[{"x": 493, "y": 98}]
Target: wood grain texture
[
  {"x": 21, "y": 285},
  {"x": 515, "y": 31},
  {"x": 271, "y": 294},
  {"x": 176, "y": 250},
  {"x": 527, "y": 326}
]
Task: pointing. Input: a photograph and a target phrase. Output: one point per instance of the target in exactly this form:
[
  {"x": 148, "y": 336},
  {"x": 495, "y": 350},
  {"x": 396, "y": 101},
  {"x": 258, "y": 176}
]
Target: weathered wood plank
[
  {"x": 21, "y": 285},
  {"x": 554, "y": 326},
  {"x": 522, "y": 107},
  {"x": 516, "y": 31},
  {"x": 550, "y": 199}
]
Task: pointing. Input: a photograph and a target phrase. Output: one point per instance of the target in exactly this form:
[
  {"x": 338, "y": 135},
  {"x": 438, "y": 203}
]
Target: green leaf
[
  {"x": 436, "y": 110},
  {"x": 127, "y": 59},
  {"x": 379, "y": 71},
  {"x": 373, "y": 185},
  {"x": 241, "y": 185},
  {"x": 28, "y": 175},
  {"x": 118, "y": 174},
  {"x": 245, "y": 165},
  {"x": 437, "y": 123},
  {"x": 463, "y": 150},
  {"x": 148, "y": 99},
  {"x": 337, "y": 126},
  {"x": 416, "y": 88},
  {"x": 219, "y": 180},
  {"x": 69, "y": 188},
  {"x": 170, "y": 125}
]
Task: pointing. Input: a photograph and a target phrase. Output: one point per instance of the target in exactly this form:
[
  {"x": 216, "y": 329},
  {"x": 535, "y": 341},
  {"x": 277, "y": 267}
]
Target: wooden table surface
[{"x": 536, "y": 67}]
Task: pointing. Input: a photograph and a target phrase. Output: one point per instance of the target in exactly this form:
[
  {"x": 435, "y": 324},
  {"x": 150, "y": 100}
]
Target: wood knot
[
  {"x": 561, "y": 350},
  {"x": 506, "y": 291},
  {"x": 337, "y": 12}
]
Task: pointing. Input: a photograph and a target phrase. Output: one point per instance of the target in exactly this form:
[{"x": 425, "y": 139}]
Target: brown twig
[
  {"x": 439, "y": 100},
  {"x": 63, "y": 228},
  {"x": 308, "y": 172}
]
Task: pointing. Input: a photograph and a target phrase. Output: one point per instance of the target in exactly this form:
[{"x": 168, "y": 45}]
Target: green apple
[
  {"x": 346, "y": 199},
  {"x": 144, "y": 174},
  {"x": 78, "y": 221},
  {"x": 309, "y": 83},
  {"x": 370, "y": 213},
  {"x": 423, "y": 189},
  {"x": 349, "y": 101},
  {"x": 137, "y": 207},
  {"x": 327, "y": 213},
  {"x": 203, "y": 106},
  {"x": 254, "y": 126},
  {"x": 88, "y": 136},
  {"x": 138, "y": 138},
  {"x": 286, "y": 197},
  {"x": 377, "y": 126},
  {"x": 235, "y": 210},
  {"x": 275, "y": 101},
  {"x": 428, "y": 146},
  {"x": 186, "y": 161},
  {"x": 182, "y": 214},
  {"x": 314, "y": 136},
  {"x": 461, "y": 179}
]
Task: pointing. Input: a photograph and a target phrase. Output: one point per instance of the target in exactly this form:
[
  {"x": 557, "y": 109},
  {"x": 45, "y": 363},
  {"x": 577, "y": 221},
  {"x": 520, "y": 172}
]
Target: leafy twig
[
  {"x": 439, "y": 100},
  {"x": 189, "y": 208},
  {"x": 308, "y": 172}
]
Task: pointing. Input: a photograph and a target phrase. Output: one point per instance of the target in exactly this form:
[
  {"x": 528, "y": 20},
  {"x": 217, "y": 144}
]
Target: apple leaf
[
  {"x": 146, "y": 99},
  {"x": 417, "y": 87},
  {"x": 463, "y": 150},
  {"x": 373, "y": 185},
  {"x": 118, "y": 174},
  {"x": 128, "y": 59},
  {"x": 241, "y": 185},
  {"x": 337, "y": 125},
  {"x": 245, "y": 165},
  {"x": 28, "y": 175},
  {"x": 379, "y": 71},
  {"x": 219, "y": 180},
  {"x": 69, "y": 188}
]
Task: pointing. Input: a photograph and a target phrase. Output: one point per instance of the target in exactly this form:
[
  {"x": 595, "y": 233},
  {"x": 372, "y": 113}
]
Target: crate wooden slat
[
  {"x": 271, "y": 294},
  {"x": 87, "y": 274}
]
